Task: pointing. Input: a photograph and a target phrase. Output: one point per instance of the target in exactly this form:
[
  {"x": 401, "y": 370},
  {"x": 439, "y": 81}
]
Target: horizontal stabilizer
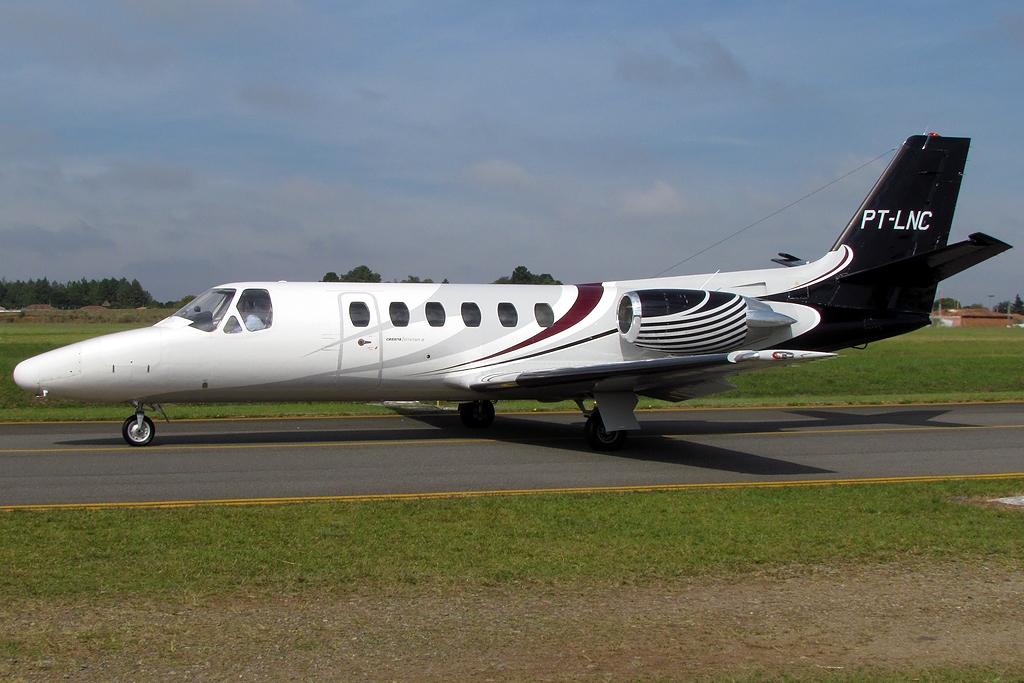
[{"x": 925, "y": 270}]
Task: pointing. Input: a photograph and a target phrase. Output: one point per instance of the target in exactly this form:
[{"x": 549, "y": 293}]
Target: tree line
[
  {"x": 521, "y": 275},
  {"x": 75, "y": 294},
  {"x": 1016, "y": 307}
]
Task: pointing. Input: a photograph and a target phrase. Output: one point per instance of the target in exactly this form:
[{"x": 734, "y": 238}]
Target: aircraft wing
[{"x": 673, "y": 379}]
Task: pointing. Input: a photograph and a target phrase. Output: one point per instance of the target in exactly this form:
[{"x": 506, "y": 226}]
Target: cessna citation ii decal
[{"x": 670, "y": 338}]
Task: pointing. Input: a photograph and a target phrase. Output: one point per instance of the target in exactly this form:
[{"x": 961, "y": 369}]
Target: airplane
[{"x": 672, "y": 338}]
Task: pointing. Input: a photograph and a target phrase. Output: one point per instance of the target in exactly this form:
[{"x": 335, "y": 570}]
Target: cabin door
[{"x": 361, "y": 341}]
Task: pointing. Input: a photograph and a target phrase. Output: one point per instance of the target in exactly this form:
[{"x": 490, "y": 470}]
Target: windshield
[{"x": 206, "y": 310}]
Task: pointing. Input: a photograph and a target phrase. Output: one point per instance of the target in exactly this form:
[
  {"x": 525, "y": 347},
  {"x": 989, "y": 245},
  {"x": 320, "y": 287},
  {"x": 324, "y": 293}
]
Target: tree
[
  {"x": 360, "y": 274},
  {"x": 945, "y": 303},
  {"x": 522, "y": 276},
  {"x": 75, "y": 294},
  {"x": 1017, "y": 308},
  {"x": 1002, "y": 307},
  {"x": 413, "y": 278},
  {"x": 357, "y": 274}
]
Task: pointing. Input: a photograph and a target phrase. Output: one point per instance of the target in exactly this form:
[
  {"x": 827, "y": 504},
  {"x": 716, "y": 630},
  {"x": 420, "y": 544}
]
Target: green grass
[
  {"x": 586, "y": 538},
  {"x": 928, "y": 366}
]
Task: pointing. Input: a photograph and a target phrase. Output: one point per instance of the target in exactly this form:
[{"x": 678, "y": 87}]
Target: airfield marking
[
  {"x": 416, "y": 442},
  {"x": 370, "y": 497}
]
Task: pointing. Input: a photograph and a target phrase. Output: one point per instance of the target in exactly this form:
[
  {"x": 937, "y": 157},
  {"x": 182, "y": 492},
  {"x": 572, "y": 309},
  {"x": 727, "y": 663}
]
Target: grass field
[
  {"x": 521, "y": 587},
  {"x": 930, "y": 365},
  {"x": 585, "y": 538}
]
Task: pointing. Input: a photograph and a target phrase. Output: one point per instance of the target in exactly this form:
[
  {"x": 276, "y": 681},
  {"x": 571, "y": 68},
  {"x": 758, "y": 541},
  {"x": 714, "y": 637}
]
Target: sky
[{"x": 197, "y": 142}]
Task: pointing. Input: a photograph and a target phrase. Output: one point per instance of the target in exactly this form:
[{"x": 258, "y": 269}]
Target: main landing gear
[
  {"x": 138, "y": 430},
  {"x": 599, "y": 439},
  {"x": 596, "y": 435},
  {"x": 477, "y": 414}
]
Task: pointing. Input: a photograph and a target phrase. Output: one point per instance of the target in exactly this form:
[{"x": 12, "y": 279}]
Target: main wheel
[
  {"x": 477, "y": 414},
  {"x": 598, "y": 438},
  {"x": 137, "y": 435}
]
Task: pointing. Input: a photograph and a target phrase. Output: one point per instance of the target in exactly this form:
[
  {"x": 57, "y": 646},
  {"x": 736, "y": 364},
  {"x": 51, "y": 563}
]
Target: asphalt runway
[{"x": 270, "y": 459}]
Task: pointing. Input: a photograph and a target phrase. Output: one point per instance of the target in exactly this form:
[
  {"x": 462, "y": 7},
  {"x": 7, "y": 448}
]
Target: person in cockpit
[{"x": 254, "y": 307}]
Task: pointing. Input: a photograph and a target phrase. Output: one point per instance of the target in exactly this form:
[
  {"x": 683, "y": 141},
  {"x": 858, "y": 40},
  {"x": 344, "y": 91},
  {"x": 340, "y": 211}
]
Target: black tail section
[
  {"x": 909, "y": 211},
  {"x": 898, "y": 238}
]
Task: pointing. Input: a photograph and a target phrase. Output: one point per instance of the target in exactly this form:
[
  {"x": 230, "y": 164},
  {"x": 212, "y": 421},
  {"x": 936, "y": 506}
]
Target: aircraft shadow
[
  {"x": 822, "y": 419},
  {"x": 674, "y": 451},
  {"x": 528, "y": 430}
]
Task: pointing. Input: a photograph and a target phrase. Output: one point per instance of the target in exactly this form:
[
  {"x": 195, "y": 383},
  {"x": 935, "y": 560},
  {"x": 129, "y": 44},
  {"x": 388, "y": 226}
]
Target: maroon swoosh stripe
[{"x": 587, "y": 299}]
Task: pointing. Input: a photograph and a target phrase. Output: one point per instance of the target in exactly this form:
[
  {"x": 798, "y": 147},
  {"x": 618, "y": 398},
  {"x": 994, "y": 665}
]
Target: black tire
[
  {"x": 136, "y": 436},
  {"x": 477, "y": 414},
  {"x": 598, "y": 438}
]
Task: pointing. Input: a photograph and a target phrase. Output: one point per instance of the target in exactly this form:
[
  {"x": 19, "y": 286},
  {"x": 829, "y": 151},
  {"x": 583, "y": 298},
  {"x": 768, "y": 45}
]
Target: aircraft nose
[
  {"x": 39, "y": 372},
  {"x": 28, "y": 374}
]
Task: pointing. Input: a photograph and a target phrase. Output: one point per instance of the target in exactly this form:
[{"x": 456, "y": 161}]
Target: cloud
[
  {"x": 371, "y": 95},
  {"x": 273, "y": 97},
  {"x": 1011, "y": 27},
  {"x": 120, "y": 174},
  {"x": 661, "y": 201},
  {"x": 71, "y": 38},
  {"x": 502, "y": 175},
  {"x": 698, "y": 59},
  {"x": 72, "y": 240},
  {"x": 151, "y": 175}
]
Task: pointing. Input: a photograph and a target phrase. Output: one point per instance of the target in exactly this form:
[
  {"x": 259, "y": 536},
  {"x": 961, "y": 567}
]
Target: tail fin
[
  {"x": 899, "y": 254},
  {"x": 909, "y": 211}
]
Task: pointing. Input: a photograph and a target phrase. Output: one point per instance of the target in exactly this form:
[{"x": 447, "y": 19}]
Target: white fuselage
[{"x": 314, "y": 350}]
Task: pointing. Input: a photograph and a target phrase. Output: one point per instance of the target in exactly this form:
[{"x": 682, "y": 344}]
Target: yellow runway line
[{"x": 516, "y": 492}]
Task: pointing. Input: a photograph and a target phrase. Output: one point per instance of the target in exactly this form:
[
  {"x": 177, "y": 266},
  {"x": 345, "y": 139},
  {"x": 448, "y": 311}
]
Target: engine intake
[{"x": 683, "y": 321}]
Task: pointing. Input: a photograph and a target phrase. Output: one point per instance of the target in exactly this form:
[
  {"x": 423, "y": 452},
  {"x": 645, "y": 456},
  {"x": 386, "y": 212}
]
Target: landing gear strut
[
  {"x": 138, "y": 430},
  {"x": 477, "y": 414},
  {"x": 598, "y": 438}
]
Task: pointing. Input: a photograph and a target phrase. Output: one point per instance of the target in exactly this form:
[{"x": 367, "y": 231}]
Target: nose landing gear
[{"x": 138, "y": 430}]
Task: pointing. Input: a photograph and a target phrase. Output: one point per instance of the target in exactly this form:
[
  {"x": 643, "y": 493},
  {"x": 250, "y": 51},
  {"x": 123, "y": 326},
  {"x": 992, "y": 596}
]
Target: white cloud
[
  {"x": 503, "y": 175},
  {"x": 698, "y": 59},
  {"x": 660, "y": 201}
]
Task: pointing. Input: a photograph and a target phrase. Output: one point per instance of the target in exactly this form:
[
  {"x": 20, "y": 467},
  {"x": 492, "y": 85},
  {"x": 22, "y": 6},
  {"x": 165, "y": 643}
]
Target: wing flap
[{"x": 664, "y": 376}]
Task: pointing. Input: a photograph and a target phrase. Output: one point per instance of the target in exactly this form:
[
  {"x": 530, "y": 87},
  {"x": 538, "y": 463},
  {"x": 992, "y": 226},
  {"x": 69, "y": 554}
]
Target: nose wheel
[{"x": 138, "y": 430}]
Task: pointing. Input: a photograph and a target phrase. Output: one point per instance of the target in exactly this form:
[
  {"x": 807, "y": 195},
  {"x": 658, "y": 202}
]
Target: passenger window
[
  {"x": 359, "y": 314},
  {"x": 208, "y": 309},
  {"x": 471, "y": 314},
  {"x": 255, "y": 309},
  {"x": 399, "y": 313},
  {"x": 232, "y": 326},
  {"x": 544, "y": 315},
  {"x": 435, "y": 314},
  {"x": 507, "y": 314}
]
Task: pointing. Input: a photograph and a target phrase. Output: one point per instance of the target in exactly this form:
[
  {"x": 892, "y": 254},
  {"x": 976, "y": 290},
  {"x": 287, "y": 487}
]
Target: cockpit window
[
  {"x": 256, "y": 310},
  {"x": 206, "y": 310}
]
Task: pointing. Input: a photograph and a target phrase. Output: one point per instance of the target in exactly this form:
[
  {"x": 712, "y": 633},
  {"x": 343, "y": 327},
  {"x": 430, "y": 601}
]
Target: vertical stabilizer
[{"x": 909, "y": 211}]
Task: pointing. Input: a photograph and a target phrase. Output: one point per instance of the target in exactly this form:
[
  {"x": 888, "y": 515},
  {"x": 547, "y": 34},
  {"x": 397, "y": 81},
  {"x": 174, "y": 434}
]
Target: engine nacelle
[{"x": 683, "y": 321}]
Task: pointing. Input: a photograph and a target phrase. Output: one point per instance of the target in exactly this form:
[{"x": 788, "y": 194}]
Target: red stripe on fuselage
[{"x": 587, "y": 298}]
